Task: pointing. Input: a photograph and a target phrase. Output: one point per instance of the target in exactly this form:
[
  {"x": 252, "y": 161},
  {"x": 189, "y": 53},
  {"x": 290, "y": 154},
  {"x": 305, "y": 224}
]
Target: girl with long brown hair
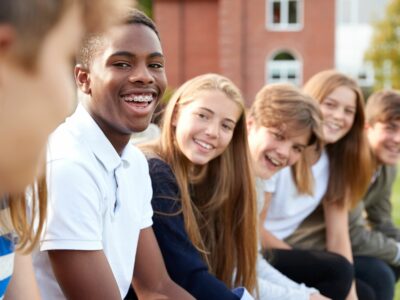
[
  {"x": 337, "y": 181},
  {"x": 203, "y": 191}
]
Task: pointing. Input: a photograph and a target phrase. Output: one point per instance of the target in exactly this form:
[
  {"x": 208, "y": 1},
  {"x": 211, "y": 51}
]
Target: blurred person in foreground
[{"x": 38, "y": 40}]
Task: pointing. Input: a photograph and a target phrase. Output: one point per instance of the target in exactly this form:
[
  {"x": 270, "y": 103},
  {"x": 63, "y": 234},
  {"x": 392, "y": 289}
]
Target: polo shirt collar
[{"x": 96, "y": 139}]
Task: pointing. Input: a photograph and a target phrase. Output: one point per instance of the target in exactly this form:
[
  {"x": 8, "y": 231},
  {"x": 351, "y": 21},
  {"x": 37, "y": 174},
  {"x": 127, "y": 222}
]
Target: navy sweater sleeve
[{"x": 184, "y": 263}]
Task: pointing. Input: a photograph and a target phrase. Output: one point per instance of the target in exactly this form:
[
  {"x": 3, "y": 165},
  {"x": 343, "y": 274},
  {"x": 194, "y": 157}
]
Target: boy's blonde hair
[
  {"x": 218, "y": 199},
  {"x": 285, "y": 107}
]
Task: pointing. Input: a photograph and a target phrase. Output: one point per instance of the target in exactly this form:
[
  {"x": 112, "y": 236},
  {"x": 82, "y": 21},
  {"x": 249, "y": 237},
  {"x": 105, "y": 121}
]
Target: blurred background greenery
[{"x": 396, "y": 215}]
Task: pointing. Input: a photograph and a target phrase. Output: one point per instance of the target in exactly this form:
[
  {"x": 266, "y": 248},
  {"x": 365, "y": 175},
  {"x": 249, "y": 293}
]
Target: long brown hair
[
  {"x": 218, "y": 199},
  {"x": 285, "y": 107},
  {"x": 350, "y": 166}
]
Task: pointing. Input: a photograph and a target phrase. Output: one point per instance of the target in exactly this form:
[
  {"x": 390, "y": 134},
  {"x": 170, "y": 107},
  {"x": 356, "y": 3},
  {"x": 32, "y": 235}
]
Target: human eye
[
  {"x": 202, "y": 116},
  {"x": 390, "y": 128},
  {"x": 350, "y": 111},
  {"x": 156, "y": 65},
  {"x": 298, "y": 149},
  {"x": 277, "y": 135},
  {"x": 328, "y": 104},
  {"x": 228, "y": 126},
  {"x": 121, "y": 65}
]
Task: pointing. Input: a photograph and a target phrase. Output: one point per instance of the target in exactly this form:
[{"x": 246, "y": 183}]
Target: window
[
  {"x": 284, "y": 67},
  {"x": 284, "y": 14},
  {"x": 366, "y": 75}
]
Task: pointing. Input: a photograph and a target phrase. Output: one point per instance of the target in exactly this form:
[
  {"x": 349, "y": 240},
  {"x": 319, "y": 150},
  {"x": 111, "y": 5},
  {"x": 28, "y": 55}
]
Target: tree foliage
[
  {"x": 146, "y": 6},
  {"x": 384, "y": 50}
]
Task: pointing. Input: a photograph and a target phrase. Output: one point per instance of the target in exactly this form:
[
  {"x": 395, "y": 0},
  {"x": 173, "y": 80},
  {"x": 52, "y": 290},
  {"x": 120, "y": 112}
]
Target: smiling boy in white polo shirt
[{"x": 100, "y": 215}]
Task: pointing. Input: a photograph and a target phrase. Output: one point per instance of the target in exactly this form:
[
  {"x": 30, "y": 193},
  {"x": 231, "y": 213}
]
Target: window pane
[
  {"x": 276, "y": 10},
  {"x": 291, "y": 74},
  {"x": 275, "y": 74},
  {"x": 284, "y": 56},
  {"x": 293, "y": 11}
]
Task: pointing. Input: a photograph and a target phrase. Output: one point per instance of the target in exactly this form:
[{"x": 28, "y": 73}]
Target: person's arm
[
  {"x": 150, "y": 277},
  {"x": 183, "y": 261},
  {"x": 73, "y": 236},
  {"x": 367, "y": 242},
  {"x": 84, "y": 274},
  {"x": 23, "y": 284},
  {"x": 378, "y": 206},
  {"x": 337, "y": 235},
  {"x": 268, "y": 240}
]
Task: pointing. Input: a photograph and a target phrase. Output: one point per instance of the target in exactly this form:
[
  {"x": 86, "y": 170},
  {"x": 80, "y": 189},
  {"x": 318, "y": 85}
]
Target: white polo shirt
[
  {"x": 98, "y": 200},
  {"x": 288, "y": 208}
]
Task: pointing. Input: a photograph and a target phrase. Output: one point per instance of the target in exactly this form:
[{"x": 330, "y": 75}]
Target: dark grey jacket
[{"x": 372, "y": 230}]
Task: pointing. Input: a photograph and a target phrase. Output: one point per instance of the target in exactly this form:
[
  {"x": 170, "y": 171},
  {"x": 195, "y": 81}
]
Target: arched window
[{"x": 284, "y": 67}]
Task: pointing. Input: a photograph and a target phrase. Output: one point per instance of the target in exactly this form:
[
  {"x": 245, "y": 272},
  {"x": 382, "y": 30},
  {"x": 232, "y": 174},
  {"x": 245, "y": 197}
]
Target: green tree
[
  {"x": 384, "y": 51},
  {"x": 146, "y": 6}
]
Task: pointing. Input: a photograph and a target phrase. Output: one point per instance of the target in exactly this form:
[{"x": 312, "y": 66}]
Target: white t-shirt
[
  {"x": 288, "y": 208},
  {"x": 98, "y": 200},
  {"x": 272, "y": 284}
]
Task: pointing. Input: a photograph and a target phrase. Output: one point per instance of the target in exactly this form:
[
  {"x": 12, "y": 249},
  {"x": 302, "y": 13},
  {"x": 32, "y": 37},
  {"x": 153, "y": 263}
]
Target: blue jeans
[{"x": 376, "y": 274}]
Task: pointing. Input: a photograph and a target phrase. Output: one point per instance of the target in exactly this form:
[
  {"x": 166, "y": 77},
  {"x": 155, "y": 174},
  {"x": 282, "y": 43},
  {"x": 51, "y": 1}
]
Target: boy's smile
[
  {"x": 384, "y": 140},
  {"x": 125, "y": 81}
]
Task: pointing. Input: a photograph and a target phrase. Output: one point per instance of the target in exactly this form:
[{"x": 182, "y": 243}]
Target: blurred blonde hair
[
  {"x": 34, "y": 19},
  {"x": 218, "y": 199}
]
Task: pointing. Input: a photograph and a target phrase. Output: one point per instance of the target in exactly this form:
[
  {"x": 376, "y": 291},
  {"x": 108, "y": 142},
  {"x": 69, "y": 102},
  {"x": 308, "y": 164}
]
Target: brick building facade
[{"x": 253, "y": 42}]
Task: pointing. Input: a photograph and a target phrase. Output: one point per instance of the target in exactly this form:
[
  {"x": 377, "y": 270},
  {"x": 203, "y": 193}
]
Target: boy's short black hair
[{"x": 93, "y": 43}]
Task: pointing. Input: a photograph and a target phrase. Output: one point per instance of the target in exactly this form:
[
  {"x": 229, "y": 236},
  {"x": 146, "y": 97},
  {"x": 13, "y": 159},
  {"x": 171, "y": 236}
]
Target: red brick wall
[
  {"x": 230, "y": 37},
  {"x": 189, "y": 35}
]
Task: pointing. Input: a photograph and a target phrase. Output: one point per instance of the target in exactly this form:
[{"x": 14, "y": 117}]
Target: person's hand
[{"x": 317, "y": 296}]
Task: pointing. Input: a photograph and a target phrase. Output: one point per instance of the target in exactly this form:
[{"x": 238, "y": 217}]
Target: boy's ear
[
  {"x": 82, "y": 78},
  {"x": 7, "y": 37}
]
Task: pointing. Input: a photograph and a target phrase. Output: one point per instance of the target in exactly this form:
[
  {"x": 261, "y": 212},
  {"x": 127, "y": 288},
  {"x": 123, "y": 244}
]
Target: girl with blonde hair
[{"x": 203, "y": 192}]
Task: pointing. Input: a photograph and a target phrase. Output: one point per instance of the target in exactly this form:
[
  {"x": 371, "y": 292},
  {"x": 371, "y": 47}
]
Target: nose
[
  {"x": 338, "y": 113},
  {"x": 212, "y": 129},
  {"x": 283, "y": 150},
  {"x": 141, "y": 73}
]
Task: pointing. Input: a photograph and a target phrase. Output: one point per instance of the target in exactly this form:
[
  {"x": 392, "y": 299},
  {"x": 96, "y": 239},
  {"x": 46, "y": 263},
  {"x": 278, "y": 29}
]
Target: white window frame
[
  {"x": 283, "y": 66},
  {"x": 284, "y": 24}
]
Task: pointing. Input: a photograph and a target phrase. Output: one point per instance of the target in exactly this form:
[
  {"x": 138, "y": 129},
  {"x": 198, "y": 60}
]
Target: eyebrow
[
  {"x": 131, "y": 55},
  {"x": 212, "y": 112}
]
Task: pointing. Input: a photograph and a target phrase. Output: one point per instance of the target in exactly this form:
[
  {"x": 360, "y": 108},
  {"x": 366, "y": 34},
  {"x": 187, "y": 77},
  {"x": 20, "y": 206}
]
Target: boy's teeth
[{"x": 138, "y": 98}]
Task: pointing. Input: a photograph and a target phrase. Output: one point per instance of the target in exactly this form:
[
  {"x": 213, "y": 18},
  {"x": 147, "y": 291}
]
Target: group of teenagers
[{"x": 288, "y": 199}]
